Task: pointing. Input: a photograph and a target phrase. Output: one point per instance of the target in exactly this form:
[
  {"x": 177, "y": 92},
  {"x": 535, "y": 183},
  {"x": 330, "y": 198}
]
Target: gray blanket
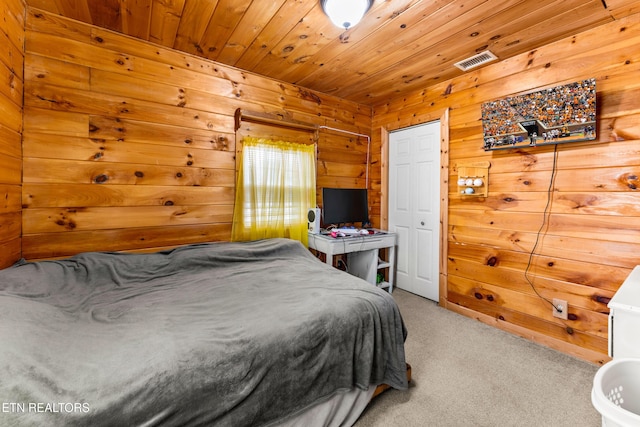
[{"x": 213, "y": 334}]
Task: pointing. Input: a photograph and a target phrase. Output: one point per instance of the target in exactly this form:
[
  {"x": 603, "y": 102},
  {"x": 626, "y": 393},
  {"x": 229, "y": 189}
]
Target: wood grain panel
[
  {"x": 197, "y": 73},
  {"x": 11, "y": 59},
  {"x": 136, "y": 18},
  {"x": 563, "y": 268},
  {"x": 77, "y": 8},
  {"x": 165, "y": 19},
  {"x": 399, "y": 47},
  {"x": 12, "y": 16},
  {"x": 56, "y": 220},
  {"x": 10, "y": 225},
  {"x": 10, "y": 113},
  {"x": 342, "y": 182},
  {"x": 253, "y": 21},
  {"x": 597, "y": 227},
  {"x": 573, "y": 180},
  {"x": 601, "y": 203},
  {"x": 620, "y": 254},
  {"x": 522, "y": 318},
  {"x": 73, "y": 100},
  {"x": 526, "y": 34},
  {"x": 106, "y": 13},
  {"x": 589, "y": 156},
  {"x": 620, "y": 8},
  {"x": 10, "y": 142},
  {"x": 193, "y": 23},
  {"x": 501, "y": 298},
  {"x": 601, "y": 54},
  {"x": 110, "y": 151},
  {"x": 56, "y": 72},
  {"x": 10, "y": 251},
  {"x": 12, "y": 92},
  {"x": 302, "y": 41},
  {"x": 585, "y": 297},
  {"x": 56, "y": 122},
  {"x": 11, "y": 200},
  {"x": 310, "y": 69},
  {"x": 269, "y": 131},
  {"x": 588, "y": 242},
  {"x": 123, "y": 130},
  {"x": 81, "y": 195},
  {"x": 540, "y": 338},
  {"x": 441, "y": 18},
  {"x": 12, "y": 21},
  {"x": 134, "y": 143},
  {"x": 276, "y": 29},
  {"x": 10, "y": 169},
  {"x": 56, "y": 171},
  {"x": 159, "y": 92},
  {"x": 223, "y": 23},
  {"x": 56, "y": 245}
]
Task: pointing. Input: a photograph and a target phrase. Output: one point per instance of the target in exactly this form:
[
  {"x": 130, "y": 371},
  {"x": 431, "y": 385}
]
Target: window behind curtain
[{"x": 275, "y": 189}]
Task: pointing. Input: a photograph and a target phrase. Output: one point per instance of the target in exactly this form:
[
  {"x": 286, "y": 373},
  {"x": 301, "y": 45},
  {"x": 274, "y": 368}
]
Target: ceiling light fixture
[{"x": 345, "y": 13}]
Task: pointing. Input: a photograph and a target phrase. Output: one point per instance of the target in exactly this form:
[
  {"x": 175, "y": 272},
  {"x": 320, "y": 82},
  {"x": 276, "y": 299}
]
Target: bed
[{"x": 233, "y": 334}]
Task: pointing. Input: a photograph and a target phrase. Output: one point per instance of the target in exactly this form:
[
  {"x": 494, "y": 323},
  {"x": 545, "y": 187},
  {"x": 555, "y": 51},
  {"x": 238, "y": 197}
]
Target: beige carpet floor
[{"x": 466, "y": 373}]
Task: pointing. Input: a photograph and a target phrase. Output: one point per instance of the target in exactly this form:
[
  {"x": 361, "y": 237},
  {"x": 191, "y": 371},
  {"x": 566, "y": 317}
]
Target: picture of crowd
[
  {"x": 499, "y": 118},
  {"x": 562, "y": 112}
]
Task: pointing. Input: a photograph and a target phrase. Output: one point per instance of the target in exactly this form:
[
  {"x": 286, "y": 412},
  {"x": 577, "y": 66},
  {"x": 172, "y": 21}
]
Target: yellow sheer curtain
[{"x": 275, "y": 189}]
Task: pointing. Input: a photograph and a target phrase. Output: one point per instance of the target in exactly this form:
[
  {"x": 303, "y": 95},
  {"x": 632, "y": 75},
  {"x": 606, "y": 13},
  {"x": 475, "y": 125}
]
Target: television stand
[{"x": 363, "y": 254}]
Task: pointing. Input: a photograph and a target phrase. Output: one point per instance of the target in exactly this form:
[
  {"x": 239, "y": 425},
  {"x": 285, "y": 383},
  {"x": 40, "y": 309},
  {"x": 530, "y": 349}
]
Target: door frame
[{"x": 443, "y": 117}]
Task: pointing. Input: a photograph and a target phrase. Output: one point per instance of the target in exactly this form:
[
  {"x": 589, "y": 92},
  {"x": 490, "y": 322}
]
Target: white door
[{"x": 414, "y": 207}]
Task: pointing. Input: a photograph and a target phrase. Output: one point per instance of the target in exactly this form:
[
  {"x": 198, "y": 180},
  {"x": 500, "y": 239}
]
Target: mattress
[{"x": 231, "y": 334}]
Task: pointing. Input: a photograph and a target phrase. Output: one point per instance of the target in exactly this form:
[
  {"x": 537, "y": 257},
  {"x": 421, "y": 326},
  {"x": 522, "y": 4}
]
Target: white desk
[{"x": 363, "y": 258}]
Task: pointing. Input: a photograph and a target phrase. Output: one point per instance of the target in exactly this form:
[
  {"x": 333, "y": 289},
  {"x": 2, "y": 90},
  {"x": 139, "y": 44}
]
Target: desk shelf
[
  {"x": 363, "y": 254},
  {"x": 384, "y": 285},
  {"x": 383, "y": 264}
]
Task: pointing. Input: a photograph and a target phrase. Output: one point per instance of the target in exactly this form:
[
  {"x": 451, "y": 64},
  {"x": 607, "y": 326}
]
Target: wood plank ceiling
[{"x": 400, "y": 46}]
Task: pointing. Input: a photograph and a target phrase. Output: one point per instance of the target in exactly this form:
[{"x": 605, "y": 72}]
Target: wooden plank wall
[
  {"x": 592, "y": 240},
  {"x": 11, "y": 74},
  {"x": 131, "y": 146}
]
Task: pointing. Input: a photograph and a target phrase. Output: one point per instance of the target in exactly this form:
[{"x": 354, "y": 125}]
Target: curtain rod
[
  {"x": 280, "y": 120},
  {"x": 273, "y": 119},
  {"x": 344, "y": 131},
  {"x": 366, "y": 180}
]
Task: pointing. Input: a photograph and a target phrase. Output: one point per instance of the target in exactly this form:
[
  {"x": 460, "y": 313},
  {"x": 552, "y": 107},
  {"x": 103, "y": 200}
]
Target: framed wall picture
[{"x": 557, "y": 115}]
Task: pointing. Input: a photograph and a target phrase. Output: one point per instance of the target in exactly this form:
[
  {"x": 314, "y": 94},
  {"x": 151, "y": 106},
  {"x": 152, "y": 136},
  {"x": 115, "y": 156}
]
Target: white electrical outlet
[{"x": 560, "y": 309}]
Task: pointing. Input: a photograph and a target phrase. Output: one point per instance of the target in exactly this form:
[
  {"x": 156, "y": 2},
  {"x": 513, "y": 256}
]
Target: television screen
[
  {"x": 560, "y": 114},
  {"x": 344, "y": 205}
]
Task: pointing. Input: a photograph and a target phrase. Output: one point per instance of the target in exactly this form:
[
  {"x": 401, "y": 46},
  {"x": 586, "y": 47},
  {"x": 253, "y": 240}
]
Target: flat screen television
[
  {"x": 344, "y": 206},
  {"x": 560, "y": 114}
]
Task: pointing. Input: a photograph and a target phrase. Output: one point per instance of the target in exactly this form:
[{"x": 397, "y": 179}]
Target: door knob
[{"x": 421, "y": 222}]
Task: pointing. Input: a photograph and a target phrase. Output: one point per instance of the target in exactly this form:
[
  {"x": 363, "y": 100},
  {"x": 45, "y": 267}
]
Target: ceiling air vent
[{"x": 476, "y": 60}]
